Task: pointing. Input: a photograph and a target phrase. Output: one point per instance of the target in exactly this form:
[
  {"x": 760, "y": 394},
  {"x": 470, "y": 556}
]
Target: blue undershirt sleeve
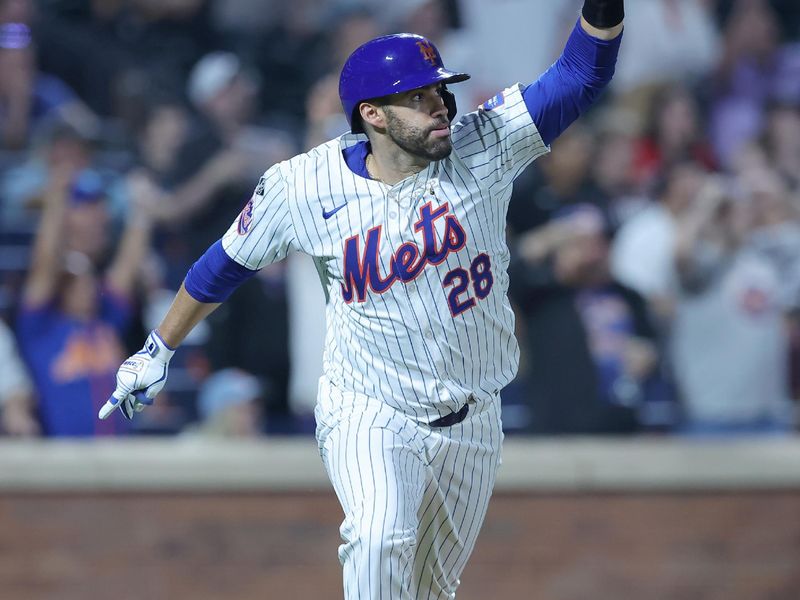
[
  {"x": 572, "y": 83},
  {"x": 215, "y": 275}
]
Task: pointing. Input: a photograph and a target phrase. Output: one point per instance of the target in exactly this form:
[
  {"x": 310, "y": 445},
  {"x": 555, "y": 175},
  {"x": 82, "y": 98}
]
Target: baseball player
[{"x": 405, "y": 218}]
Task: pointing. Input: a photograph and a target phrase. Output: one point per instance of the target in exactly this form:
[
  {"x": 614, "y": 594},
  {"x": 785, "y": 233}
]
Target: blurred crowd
[{"x": 655, "y": 252}]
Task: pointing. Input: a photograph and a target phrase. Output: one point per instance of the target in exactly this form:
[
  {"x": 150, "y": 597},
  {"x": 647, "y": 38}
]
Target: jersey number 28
[{"x": 480, "y": 273}]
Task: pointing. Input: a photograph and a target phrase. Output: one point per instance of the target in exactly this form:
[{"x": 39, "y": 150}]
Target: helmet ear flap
[{"x": 449, "y": 100}]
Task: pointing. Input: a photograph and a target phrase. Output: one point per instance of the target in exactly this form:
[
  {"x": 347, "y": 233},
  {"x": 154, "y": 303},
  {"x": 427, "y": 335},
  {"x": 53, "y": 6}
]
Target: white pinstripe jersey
[{"x": 416, "y": 273}]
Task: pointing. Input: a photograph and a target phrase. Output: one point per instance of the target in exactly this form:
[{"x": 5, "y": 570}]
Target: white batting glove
[{"x": 140, "y": 378}]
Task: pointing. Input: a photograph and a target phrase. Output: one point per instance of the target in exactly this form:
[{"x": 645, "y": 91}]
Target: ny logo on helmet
[{"x": 428, "y": 53}]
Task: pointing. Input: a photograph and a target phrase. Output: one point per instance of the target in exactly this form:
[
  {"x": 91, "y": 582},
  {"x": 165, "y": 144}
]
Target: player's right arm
[{"x": 263, "y": 233}]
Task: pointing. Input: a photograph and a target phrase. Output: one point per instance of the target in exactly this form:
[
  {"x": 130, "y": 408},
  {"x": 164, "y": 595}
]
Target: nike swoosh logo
[{"x": 327, "y": 214}]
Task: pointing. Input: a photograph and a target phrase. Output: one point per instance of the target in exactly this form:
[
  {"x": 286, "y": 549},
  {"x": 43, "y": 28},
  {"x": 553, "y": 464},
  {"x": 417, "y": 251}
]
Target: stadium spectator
[
  {"x": 756, "y": 68},
  {"x": 776, "y": 236},
  {"x": 74, "y": 315},
  {"x": 775, "y": 232},
  {"x": 221, "y": 150},
  {"x": 612, "y": 170},
  {"x": 729, "y": 339},
  {"x": 229, "y": 405},
  {"x": 95, "y": 46},
  {"x": 160, "y": 134},
  {"x": 673, "y": 133},
  {"x": 324, "y": 117},
  {"x": 23, "y": 185},
  {"x": 643, "y": 249},
  {"x": 17, "y": 412},
  {"x": 781, "y": 141},
  {"x": 788, "y": 12},
  {"x": 323, "y": 108},
  {"x": 29, "y": 97},
  {"x": 291, "y": 55},
  {"x": 557, "y": 180},
  {"x": 591, "y": 350}
]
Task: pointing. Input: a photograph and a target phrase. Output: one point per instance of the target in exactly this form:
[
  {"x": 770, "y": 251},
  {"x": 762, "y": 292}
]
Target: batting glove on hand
[{"x": 140, "y": 378}]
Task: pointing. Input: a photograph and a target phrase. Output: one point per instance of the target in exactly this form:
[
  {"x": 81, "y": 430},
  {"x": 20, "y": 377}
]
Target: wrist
[
  {"x": 603, "y": 14},
  {"x": 156, "y": 347}
]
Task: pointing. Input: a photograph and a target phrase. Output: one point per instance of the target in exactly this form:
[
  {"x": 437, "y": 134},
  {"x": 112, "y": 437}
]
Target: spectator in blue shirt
[{"x": 73, "y": 317}]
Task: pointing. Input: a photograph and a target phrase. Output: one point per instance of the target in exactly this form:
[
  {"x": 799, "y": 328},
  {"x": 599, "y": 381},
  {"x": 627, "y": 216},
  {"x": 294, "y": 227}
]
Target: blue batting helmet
[{"x": 390, "y": 64}]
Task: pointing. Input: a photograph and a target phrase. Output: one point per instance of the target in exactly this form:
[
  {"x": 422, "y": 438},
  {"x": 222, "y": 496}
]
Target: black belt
[{"x": 453, "y": 418}]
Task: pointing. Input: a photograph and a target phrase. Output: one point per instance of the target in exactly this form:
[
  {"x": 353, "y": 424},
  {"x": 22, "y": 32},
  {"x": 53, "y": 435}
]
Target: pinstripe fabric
[
  {"x": 404, "y": 345},
  {"x": 419, "y": 323},
  {"x": 414, "y": 498}
]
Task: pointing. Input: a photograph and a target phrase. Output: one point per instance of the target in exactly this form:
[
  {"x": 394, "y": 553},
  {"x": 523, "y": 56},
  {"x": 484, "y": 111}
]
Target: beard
[{"x": 415, "y": 140}]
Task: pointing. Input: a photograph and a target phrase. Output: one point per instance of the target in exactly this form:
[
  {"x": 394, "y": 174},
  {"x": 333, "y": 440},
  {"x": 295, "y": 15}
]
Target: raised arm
[
  {"x": 198, "y": 191},
  {"x": 135, "y": 243},
  {"x": 49, "y": 243},
  {"x": 696, "y": 268},
  {"x": 584, "y": 69},
  {"x": 17, "y": 64}
]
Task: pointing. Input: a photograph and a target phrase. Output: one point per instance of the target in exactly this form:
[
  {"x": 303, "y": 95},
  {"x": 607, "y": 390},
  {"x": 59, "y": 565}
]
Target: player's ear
[{"x": 372, "y": 114}]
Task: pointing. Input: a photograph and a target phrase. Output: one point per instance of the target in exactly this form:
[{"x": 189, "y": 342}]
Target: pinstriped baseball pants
[{"x": 414, "y": 497}]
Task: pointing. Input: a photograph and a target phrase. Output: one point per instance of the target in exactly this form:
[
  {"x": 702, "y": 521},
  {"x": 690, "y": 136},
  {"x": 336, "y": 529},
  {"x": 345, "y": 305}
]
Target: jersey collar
[{"x": 355, "y": 150}]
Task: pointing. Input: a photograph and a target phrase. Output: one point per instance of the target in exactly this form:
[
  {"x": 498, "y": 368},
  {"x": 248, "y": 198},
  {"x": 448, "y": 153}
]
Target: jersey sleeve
[
  {"x": 500, "y": 139},
  {"x": 263, "y": 233}
]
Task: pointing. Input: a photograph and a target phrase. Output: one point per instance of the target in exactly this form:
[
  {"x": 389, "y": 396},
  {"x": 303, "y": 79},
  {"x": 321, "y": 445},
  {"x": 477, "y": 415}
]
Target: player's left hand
[{"x": 140, "y": 378}]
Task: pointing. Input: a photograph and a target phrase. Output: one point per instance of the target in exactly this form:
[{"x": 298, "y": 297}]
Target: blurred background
[{"x": 652, "y": 430}]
